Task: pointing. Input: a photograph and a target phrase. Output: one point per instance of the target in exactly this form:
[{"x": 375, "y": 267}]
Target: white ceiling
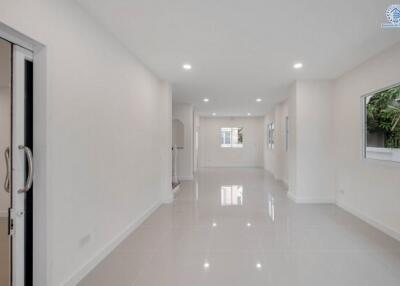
[{"x": 241, "y": 50}]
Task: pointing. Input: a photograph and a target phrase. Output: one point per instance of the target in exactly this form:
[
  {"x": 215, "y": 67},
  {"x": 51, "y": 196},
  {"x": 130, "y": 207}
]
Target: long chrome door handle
[
  {"x": 29, "y": 180},
  {"x": 7, "y": 180}
]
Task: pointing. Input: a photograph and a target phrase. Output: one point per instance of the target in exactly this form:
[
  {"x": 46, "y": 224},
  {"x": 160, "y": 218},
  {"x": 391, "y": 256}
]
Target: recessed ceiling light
[
  {"x": 214, "y": 224},
  {"x": 248, "y": 224},
  {"x": 258, "y": 265},
  {"x": 206, "y": 265},
  {"x": 214, "y": 114},
  {"x": 187, "y": 66},
  {"x": 258, "y": 99},
  {"x": 298, "y": 66},
  {"x": 249, "y": 114},
  {"x": 206, "y": 100}
]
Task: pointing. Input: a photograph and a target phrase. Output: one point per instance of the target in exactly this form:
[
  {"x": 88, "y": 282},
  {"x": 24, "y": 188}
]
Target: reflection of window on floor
[
  {"x": 382, "y": 125},
  {"x": 231, "y": 195},
  {"x": 271, "y": 207}
]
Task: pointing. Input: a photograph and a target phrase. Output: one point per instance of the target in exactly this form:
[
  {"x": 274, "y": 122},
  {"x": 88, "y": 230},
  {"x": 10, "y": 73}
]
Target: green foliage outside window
[{"x": 383, "y": 116}]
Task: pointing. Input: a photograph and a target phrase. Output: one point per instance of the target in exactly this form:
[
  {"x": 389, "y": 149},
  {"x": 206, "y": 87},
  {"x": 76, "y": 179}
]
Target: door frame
[
  {"x": 42, "y": 198},
  {"x": 21, "y": 135}
]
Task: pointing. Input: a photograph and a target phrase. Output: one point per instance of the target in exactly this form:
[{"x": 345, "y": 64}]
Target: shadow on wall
[{"x": 178, "y": 135}]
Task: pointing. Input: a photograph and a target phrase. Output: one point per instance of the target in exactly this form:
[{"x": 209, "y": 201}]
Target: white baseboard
[
  {"x": 176, "y": 189},
  {"x": 291, "y": 196},
  {"x": 185, "y": 178},
  {"x": 314, "y": 200},
  {"x": 389, "y": 231},
  {"x": 232, "y": 167},
  {"x": 169, "y": 199},
  {"x": 281, "y": 180},
  {"x": 300, "y": 200},
  {"x": 109, "y": 247},
  {"x": 3, "y": 213}
]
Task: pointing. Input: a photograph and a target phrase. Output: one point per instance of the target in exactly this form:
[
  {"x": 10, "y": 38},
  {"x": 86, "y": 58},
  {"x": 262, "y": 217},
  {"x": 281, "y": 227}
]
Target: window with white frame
[
  {"x": 287, "y": 133},
  {"x": 271, "y": 130},
  {"x": 231, "y": 137},
  {"x": 382, "y": 125}
]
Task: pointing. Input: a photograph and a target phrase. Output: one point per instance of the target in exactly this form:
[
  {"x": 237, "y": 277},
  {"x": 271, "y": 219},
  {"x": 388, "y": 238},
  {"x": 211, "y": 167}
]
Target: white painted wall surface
[
  {"x": 371, "y": 189},
  {"x": 178, "y": 133},
  {"x": 276, "y": 159},
  {"x": 196, "y": 141},
  {"x": 5, "y": 120},
  {"x": 103, "y": 145},
  {"x": 184, "y": 112},
  {"x": 212, "y": 155},
  {"x": 314, "y": 137},
  {"x": 5, "y": 115},
  {"x": 165, "y": 130},
  {"x": 292, "y": 152},
  {"x": 307, "y": 166}
]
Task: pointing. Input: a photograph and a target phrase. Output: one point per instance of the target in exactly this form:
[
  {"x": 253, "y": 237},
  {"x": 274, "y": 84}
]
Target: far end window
[{"x": 231, "y": 137}]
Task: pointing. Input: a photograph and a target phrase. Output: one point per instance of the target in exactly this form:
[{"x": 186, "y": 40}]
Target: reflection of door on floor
[{"x": 5, "y": 143}]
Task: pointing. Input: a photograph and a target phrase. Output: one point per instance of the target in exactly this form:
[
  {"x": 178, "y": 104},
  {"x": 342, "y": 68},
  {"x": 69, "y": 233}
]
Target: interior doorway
[{"x": 16, "y": 172}]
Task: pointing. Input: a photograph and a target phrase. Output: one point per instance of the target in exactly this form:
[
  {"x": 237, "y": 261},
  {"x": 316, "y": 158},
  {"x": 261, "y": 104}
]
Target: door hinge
[{"x": 11, "y": 217}]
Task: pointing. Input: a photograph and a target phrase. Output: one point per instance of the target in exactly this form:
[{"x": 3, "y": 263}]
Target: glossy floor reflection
[{"x": 237, "y": 227}]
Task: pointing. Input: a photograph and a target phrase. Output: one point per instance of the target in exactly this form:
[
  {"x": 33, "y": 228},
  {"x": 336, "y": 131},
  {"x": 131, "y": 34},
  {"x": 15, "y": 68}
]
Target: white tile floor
[{"x": 237, "y": 227}]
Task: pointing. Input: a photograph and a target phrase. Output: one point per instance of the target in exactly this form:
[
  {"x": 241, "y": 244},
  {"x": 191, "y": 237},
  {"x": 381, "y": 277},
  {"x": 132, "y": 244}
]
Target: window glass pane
[
  {"x": 271, "y": 128},
  {"x": 237, "y": 137},
  {"x": 231, "y": 137},
  {"x": 240, "y": 135},
  {"x": 226, "y": 137},
  {"x": 382, "y": 125}
]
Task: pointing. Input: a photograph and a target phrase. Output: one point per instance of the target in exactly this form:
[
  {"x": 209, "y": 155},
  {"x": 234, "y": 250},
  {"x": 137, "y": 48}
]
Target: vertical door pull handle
[
  {"x": 29, "y": 179},
  {"x": 7, "y": 180}
]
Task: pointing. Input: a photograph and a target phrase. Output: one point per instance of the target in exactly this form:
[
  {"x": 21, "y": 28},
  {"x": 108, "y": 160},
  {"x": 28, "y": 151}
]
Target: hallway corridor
[{"x": 237, "y": 227}]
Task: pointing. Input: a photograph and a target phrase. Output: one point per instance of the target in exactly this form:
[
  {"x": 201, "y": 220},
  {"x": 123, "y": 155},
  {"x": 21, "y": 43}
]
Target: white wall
[
  {"x": 5, "y": 115},
  {"x": 325, "y": 145},
  {"x": 5, "y": 120},
  {"x": 276, "y": 159},
  {"x": 196, "y": 141},
  {"x": 370, "y": 189},
  {"x": 314, "y": 136},
  {"x": 178, "y": 133},
  {"x": 165, "y": 133},
  {"x": 306, "y": 168},
  {"x": 292, "y": 152},
  {"x": 103, "y": 147},
  {"x": 184, "y": 112},
  {"x": 212, "y": 155}
]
